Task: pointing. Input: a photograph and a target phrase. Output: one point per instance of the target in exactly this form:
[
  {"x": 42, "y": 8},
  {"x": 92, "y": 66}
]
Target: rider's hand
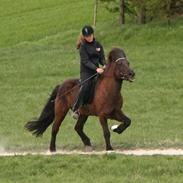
[{"x": 100, "y": 70}]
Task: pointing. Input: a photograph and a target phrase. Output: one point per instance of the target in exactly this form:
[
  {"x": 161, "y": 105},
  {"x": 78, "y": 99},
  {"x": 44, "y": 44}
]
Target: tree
[
  {"x": 140, "y": 10},
  {"x": 173, "y": 7},
  {"x": 122, "y": 12},
  {"x": 145, "y": 10},
  {"x": 136, "y": 8},
  {"x": 116, "y": 6}
]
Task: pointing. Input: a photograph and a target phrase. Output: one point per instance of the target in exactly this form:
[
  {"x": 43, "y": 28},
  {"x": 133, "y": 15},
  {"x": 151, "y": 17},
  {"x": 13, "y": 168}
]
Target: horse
[{"x": 106, "y": 104}]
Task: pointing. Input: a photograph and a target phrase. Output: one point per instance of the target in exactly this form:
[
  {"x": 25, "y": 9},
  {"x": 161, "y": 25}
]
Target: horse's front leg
[
  {"x": 119, "y": 116},
  {"x": 106, "y": 132}
]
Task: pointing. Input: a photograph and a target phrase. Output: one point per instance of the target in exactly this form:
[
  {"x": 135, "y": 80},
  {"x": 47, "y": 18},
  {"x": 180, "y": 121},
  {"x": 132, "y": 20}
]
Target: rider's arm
[{"x": 102, "y": 56}]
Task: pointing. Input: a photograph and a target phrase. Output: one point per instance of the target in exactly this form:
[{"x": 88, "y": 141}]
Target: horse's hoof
[
  {"x": 109, "y": 149},
  {"x": 88, "y": 148},
  {"x": 52, "y": 150}
]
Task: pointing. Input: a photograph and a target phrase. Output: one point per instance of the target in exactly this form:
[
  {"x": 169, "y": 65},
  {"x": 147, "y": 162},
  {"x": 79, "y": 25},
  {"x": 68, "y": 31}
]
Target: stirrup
[{"x": 75, "y": 114}]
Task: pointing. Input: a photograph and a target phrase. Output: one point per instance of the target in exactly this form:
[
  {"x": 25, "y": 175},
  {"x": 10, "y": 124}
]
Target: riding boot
[
  {"x": 78, "y": 103},
  {"x": 83, "y": 98}
]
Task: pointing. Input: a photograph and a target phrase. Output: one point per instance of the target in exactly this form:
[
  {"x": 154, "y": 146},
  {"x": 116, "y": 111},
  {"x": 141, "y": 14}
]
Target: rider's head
[{"x": 87, "y": 32}]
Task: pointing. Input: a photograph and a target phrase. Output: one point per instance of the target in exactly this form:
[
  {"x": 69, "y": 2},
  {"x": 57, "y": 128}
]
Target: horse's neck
[
  {"x": 112, "y": 84},
  {"x": 109, "y": 83}
]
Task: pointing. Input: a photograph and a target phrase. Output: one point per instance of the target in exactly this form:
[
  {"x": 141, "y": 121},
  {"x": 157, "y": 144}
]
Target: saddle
[{"x": 89, "y": 91}]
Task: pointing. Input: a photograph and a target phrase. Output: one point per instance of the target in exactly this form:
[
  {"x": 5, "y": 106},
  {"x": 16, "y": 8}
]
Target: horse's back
[
  {"x": 68, "y": 91},
  {"x": 69, "y": 83}
]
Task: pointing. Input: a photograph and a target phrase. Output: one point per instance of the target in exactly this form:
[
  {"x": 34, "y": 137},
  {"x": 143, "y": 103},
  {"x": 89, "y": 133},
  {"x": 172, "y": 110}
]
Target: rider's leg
[{"x": 83, "y": 94}]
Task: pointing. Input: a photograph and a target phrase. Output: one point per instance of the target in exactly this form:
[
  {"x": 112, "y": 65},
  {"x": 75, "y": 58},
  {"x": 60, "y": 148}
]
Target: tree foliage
[{"x": 146, "y": 10}]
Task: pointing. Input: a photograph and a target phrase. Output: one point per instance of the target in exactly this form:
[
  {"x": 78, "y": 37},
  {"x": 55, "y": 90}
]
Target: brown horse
[{"x": 106, "y": 104}]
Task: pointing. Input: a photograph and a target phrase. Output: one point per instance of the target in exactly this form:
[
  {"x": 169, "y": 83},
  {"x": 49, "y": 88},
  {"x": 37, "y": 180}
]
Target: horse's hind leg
[
  {"x": 60, "y": 113},
  {"x": 103, "y": 122},
  {"x": 79, "y": 129},
  {"x": 119, "y": 116}
]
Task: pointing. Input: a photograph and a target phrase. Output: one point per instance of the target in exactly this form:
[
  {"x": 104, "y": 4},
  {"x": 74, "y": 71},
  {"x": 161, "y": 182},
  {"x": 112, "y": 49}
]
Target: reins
[{"x": 80, "y": 84}]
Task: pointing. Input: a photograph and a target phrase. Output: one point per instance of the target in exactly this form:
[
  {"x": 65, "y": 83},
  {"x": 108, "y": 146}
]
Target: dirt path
[{"x": 135, "y": 152}]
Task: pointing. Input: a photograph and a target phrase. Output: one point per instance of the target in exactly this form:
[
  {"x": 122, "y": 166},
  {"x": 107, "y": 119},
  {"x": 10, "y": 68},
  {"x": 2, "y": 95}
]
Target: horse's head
[{"x": 121, "y": 67}]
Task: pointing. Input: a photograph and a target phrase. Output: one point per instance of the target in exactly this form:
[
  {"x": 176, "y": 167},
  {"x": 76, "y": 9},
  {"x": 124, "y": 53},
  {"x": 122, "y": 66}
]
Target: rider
[{"x": 91, "y": 55}]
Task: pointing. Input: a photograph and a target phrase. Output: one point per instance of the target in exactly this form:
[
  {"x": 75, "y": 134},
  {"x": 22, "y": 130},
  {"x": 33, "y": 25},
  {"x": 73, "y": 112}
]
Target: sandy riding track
[{"x": 135, "y": 152}]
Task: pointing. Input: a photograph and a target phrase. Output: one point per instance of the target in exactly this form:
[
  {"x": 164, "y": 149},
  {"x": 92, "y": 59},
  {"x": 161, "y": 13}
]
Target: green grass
[
  {"x": 106, "y": 168},
  {"x": 37, "y": 51}
]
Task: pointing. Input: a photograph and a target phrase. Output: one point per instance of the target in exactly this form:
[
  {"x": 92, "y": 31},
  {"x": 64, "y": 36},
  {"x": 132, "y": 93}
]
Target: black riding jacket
[{"x": 91, "y": 55}]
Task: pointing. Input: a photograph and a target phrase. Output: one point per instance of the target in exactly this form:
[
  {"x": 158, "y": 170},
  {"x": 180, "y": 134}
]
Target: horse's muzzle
[{"x": 130, "y": 76}]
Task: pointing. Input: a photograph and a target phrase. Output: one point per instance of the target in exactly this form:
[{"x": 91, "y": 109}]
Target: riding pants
[{"x": 86, "y": 91}]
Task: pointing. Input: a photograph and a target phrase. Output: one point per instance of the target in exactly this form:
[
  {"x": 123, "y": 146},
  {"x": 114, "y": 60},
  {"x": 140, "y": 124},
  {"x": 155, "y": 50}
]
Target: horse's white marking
[{"x": 113, "y": 127}]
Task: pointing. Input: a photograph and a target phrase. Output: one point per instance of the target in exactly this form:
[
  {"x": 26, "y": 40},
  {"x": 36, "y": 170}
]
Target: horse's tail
[{"x": 37, "y": 127}]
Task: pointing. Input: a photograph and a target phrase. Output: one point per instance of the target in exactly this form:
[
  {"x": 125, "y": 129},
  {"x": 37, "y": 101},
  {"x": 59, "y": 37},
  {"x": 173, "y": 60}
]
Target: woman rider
[{"x": 91, "y": 55}]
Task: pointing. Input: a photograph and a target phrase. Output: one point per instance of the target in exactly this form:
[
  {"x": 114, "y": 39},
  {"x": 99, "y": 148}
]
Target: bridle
[
  {"x": 117, "y": 60},
  {"x": 121, "y": 58}
]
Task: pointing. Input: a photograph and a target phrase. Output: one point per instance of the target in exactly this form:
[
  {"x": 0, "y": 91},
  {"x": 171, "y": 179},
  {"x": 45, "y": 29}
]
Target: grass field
[
  {"x": 106, "y": 168},
  {"x": 37, "y": 51}
]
